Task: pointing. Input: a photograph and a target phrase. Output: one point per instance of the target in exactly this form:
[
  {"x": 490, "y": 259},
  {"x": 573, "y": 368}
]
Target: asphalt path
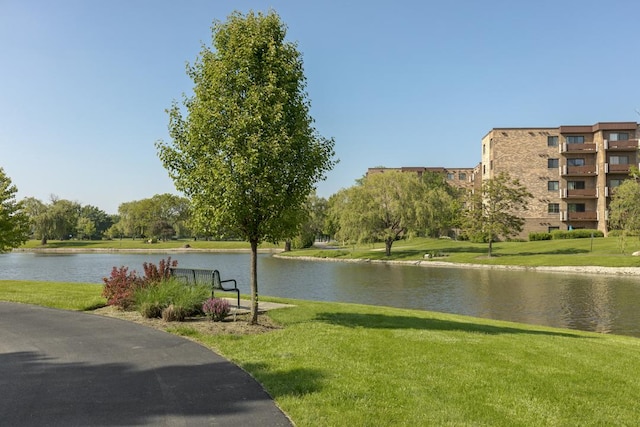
[{"x": 64, "y": 368}]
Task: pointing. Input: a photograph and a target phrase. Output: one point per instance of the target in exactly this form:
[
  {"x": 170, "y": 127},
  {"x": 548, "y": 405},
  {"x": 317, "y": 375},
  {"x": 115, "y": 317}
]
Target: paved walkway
[{"x": 65, "y": 368}]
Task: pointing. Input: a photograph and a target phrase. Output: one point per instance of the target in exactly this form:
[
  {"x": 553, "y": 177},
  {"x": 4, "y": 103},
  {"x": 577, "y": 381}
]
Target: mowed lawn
[{"x": 334, "y": 364}]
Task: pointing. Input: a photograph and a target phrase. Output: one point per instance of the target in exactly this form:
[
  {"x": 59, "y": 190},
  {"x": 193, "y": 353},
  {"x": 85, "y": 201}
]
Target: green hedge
[
  {"x": 575, "y": 234},
  {"x": 539, "y": 236}
]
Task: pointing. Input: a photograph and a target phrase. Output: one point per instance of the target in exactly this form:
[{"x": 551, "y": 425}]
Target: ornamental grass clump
[
  {"x": 216, "y": 309},
  {"x": 178, "y": 299}
]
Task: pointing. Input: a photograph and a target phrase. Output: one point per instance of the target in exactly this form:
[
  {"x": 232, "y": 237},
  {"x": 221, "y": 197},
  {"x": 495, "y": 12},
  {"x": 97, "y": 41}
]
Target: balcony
[
  {"x": 615, "y": 168},
  {"x": 579, "y": 170},
  {"x": 628, "y": 145},
  {"x": 588, "y": 193},
  {"x": 578, "y": 148},
  {"x": 579, "y": 216}
]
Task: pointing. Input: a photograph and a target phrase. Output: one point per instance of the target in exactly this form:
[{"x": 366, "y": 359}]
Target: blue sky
[{"x": 84, "y": 84}]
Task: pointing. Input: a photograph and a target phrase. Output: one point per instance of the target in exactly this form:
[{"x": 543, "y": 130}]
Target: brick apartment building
[{"x": 570, "y": 170}]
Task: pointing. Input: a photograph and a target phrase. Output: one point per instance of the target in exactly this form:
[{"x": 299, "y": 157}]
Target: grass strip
[
  {"x": 67, "y": 296},
  {"x": 604, "y": 252}
]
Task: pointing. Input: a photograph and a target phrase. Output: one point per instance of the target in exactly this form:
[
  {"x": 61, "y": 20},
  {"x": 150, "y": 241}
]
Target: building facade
[{"x": 570, "y": 170}]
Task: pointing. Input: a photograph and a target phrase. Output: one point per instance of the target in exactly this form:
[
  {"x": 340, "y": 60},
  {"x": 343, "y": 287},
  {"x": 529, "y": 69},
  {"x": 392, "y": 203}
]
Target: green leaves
[
  {"x": 245, "y": 152},
  {"x": 491, "y": 212},
  {"x": 14, "y": 223}
]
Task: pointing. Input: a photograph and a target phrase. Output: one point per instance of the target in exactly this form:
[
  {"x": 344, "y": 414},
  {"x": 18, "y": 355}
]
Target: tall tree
[
  {"x": 490, "y": 214},
  {"x": 246, "y": 153},
  {"x": 382, "y": 207},
  {"x": 624, "y": 210},
  {"x": 14, "y": 223},
  {"x": 40, "y": 219}
]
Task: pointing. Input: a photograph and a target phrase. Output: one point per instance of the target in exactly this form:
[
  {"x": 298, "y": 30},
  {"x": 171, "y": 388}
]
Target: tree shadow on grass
[
  {"x": 381, "y": 321},
  {"x": 292, "y": 382}
]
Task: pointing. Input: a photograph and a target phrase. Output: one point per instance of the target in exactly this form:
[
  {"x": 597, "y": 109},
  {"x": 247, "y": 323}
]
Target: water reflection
[{"x": 587, "y": 302}]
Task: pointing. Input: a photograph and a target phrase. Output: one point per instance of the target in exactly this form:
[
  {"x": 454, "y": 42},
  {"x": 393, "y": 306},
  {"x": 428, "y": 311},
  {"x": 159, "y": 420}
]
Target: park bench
[{"x": 197, "y": 276}]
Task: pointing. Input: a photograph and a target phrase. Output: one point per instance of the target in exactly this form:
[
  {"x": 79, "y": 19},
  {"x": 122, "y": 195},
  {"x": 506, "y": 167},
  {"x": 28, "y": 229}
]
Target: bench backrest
[{"x": 196, "y": 276}]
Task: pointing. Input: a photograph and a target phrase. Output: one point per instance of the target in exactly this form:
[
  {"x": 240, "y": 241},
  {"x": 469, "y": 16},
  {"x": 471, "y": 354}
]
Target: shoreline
[
  {"x": 141, "y": 250},
  {"x": 591, "y": 269},
  {"x": 568, "y": 269}
]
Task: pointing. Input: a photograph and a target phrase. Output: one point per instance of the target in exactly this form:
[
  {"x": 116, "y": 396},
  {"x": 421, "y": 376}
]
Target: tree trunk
[
  {"x": 387, "y": 246},
  {"x": 287, "y": 246},
  {"x": 254, "y": 282},
  {"x": 43, "y": 241},
  {"x": 490, "y": 246}
]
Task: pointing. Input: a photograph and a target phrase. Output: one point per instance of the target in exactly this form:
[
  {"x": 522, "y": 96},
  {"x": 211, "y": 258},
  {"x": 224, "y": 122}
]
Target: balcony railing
[
  {"x": 611, "y": 168},
  {"x": 578, "y": 148},
  {"x": 580, "y": 170},
  {"x": 579, "y": 194},
  {"x": 626, "y": 145},
  {"x": 578, "y": 216}
]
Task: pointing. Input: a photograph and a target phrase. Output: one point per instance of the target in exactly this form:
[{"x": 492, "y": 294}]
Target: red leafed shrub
[
  {"x": 158, "y": 273},
  {"x": 120, "y": 286}
]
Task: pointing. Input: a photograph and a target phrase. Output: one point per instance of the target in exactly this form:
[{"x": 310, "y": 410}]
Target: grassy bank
[
  {"x": 603, "y": 252},
  {"x": 140, "y": 244},
  {"x": 343, "y": 364}
]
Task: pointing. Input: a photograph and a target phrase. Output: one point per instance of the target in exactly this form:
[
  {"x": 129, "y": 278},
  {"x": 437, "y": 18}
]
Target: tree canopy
[
  {"x": 245, "y": 151},
  {"x": 624, "y": 210},
  {"x": 490, "y": 214},
  {"x": 14, "y": 223}
]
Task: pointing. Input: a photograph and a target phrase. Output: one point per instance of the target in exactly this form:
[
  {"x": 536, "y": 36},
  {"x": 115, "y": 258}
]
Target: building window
[
  {"x": 484, "y": 169},
  {"x": 462, "y": 176},
  {"x": 553, "y": 185},
  {"x": 553, "y": 229},
  {"x": 577, "y": 207},
  {"x": 553, "y": 163},
  {"x": 618, "y": 136},
  {"x": 575, "y": 139},
  {"x": 575, "y": 185},
  {"x": 552, "y": 141},
  {"x": 554, "y": 208},
  {"x": 575, "y": 162},
  {"x": 484, "y": 151},
  {"x": 450, "y": 176},
  {"x": 613, "y": 183},
  {"x": 619, "y": 160}
]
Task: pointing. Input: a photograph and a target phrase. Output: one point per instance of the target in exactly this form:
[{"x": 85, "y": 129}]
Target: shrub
[
  {"x": 186, "y": 300},
  {"x": 575, "y": 234},
  {"x": 216, "y": 308},
  {"x": 533, "y": 237},
  {"x": 174, "y": 313},
  {"x": 157, "y": 273},
  {"x": 120, "y": 286}
]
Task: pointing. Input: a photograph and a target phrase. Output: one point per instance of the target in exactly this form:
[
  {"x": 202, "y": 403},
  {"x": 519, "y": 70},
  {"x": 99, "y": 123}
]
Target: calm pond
[{"x": 600, "y": 303}]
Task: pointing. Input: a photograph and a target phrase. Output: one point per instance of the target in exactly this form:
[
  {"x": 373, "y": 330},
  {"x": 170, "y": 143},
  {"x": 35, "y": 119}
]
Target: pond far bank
[
  {"x": 618, "y": 271},
  {"x": 145, "y": 250}
]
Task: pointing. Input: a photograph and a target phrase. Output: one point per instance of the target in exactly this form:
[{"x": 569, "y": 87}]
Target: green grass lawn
[
  {"x": 338, "y": 364},
  {"x": 574, "y": 252}
]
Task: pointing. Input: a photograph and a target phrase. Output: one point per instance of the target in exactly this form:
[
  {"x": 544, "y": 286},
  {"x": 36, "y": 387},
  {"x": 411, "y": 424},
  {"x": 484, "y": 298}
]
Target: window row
[
  {"x": 571, "y": 207},
  {"x": 552, "y": 141}
]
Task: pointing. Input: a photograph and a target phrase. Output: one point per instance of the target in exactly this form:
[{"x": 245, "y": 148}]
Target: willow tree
[
  {"x": 381, "y": 207},
  {"x": 244, "y": 148}
]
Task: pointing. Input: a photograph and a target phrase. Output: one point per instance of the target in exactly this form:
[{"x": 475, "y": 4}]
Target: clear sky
[{"x": 84, "y": 84}]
